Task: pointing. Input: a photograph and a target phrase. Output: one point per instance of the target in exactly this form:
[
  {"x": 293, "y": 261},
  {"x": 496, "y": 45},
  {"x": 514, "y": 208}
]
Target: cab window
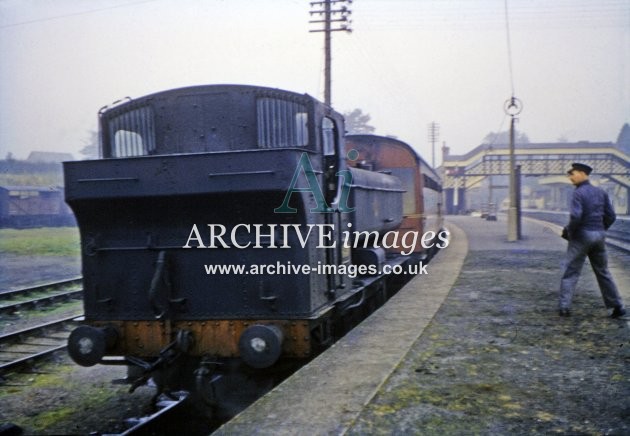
[
  {"x": 132, "y": 133},
  {"x": 328, "y": 136}
]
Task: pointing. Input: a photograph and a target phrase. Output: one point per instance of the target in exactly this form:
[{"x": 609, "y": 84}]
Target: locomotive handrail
[
  {"x": 374, "y": 188},
  {"x": 357, "y": 304},
  {"x": 240, "y": 173},
  {"x": 110, "y": 179},
  {"x": 159, "y": 282},
  {"x": 117, "y": 102},
  {"x": 146, "y": 247}
]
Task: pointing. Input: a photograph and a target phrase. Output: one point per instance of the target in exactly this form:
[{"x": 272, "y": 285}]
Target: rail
[
  {"x": 50, "y": 295},
  {"x": 39, "y": 288},
  {"x": 617, "y": 236},
  {"x": 158, "y": 421},
  {"x": 27, "y": 346}
]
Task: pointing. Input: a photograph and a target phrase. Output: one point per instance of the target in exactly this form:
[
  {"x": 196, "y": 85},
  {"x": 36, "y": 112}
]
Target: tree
[
  {"x": 623, "y": 140},
  {"x": 90, "y": 148},
  {"x": 357, "y": 122},
  {"x": 504, "y": 138}
]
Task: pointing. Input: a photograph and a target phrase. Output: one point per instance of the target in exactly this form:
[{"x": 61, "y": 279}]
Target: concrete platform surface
[
  {"x": 472, "y": 349},
  {"x": 327, "y": 395}
]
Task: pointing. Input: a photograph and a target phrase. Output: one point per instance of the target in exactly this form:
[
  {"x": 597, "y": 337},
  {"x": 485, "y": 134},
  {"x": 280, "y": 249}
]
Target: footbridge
[{"x": 461, "y": 173}]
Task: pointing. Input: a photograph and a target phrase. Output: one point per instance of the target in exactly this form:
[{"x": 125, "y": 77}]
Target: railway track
[
  {"x": 33, "y": 343},
  {"x": 40, "y": 295},
  {"x": 27, "y": 346},
  {"x": 161, "y": 421},
  {"x": 619, "y": 239},
  {"x": 24, "y": 348},
  {"x": 617, "y": 236}
]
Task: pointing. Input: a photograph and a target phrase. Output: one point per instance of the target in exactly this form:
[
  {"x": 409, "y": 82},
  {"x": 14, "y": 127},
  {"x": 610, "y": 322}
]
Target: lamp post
[{"x": 513, "y": 107}]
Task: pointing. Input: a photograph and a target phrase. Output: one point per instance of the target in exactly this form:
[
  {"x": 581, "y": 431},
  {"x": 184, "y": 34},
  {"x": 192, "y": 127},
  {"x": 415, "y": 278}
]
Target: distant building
[
  {"x": 34, "y": 206},
  {"x": 48, "y": 157}
]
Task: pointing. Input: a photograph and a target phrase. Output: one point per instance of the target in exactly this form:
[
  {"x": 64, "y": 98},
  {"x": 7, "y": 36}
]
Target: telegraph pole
[
  {"x": 334, "y": 16},
  {"x": 434, "y": 134}
]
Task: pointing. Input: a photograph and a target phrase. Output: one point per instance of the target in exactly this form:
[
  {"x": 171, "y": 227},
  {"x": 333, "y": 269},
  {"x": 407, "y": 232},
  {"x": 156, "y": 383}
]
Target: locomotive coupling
[
  {"x": 87, "y": 345},
  {"x": 261, "y": 345}
]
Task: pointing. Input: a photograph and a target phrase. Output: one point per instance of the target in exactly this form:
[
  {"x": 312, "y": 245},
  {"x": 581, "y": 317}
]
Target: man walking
[{"x": 591, "y": 215}]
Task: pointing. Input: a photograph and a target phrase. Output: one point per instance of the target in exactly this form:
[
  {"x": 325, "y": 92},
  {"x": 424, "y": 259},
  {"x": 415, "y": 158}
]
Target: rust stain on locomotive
[{"x": 212, "y": 337}]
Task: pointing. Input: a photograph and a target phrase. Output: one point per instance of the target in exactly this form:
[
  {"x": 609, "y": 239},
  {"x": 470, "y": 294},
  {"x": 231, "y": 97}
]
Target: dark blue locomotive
[{"x": 223, "y": 225}]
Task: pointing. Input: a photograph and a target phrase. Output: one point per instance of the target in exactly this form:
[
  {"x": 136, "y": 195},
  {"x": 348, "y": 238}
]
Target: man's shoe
[
  {"x": 618, "y": 312},
  {"x": 564, "y": 312}
]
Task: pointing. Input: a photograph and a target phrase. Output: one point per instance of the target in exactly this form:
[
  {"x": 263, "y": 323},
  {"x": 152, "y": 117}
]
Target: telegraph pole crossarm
[{"x": 334, "y": 20}]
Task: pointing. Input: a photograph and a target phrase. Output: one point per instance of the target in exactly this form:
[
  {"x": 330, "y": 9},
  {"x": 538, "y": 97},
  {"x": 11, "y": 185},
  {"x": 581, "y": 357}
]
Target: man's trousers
[{"x": 589, "y": 243}]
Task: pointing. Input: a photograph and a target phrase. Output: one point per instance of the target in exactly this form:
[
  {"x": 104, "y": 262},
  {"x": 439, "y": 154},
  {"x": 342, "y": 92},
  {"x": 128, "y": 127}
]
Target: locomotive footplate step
[{"x": 475, "y": 346}]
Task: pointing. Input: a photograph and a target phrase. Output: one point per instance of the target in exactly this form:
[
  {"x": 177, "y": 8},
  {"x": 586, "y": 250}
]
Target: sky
[{"x": 406, "y": 63}]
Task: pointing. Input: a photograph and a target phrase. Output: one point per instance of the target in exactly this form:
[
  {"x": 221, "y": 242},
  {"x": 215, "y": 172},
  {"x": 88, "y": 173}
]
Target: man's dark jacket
[{"x": 591, "y": 209}]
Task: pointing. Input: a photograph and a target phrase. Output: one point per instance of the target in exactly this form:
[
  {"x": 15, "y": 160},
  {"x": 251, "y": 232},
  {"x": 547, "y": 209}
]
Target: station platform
[{"x": 474, "y": 347}]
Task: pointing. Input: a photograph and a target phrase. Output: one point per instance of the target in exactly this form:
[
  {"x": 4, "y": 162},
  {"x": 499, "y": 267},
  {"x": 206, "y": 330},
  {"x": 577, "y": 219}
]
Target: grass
[
  {"x": 45, "y": 241},
  {"x": 49, "y": 178}
]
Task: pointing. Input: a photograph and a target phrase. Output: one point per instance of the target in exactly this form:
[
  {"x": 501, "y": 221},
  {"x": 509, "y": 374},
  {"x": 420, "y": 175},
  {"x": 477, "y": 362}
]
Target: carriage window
[
  {"x": 281, "y": 123},
  {"x": 132, "y": 133},
  {"x": 431, "y": 183},
  {"x": 328, "y": 136}
]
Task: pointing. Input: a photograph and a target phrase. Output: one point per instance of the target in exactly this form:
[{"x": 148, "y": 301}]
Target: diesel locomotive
[{"x": 228, "y": 229}]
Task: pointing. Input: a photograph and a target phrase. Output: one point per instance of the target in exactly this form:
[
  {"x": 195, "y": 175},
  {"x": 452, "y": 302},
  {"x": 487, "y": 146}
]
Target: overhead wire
[
  {"x": 509, "y": 46},
  {"x": 74, "y": 14},
  {"x": 478, "y": 16}
]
